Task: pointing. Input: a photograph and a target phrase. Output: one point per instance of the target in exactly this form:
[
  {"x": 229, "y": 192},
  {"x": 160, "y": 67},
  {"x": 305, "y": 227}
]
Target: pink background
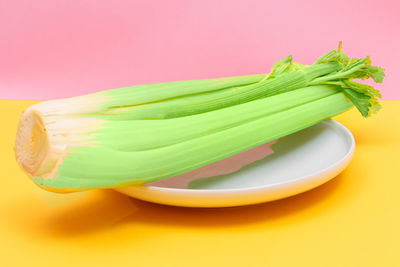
[{"x": 62, "y": 48}]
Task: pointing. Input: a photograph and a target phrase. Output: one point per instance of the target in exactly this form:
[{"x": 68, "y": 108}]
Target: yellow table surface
[{"x": 353, "y": 220}]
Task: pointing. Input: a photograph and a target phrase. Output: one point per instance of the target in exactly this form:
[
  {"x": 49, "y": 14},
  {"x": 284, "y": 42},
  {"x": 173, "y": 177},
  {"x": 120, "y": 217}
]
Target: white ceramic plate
[{"x": 301, "y": 161}]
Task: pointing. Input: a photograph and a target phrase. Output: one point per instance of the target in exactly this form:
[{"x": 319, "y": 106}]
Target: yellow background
[{"x": 353, "y": 220}]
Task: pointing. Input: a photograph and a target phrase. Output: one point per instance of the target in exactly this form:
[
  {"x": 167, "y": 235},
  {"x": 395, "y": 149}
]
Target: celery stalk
[{"x": 147, "y": 133}]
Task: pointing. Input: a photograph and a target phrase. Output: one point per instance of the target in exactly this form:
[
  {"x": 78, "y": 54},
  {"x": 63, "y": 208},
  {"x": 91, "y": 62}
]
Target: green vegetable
[{"x": 145, "y": 133}]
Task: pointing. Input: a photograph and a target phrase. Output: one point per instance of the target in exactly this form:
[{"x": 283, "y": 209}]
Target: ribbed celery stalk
[
  {"x": 118, "y": 134},
  {"x": 95, "y": 166},
  {"x": 285, "y": 76},
  {"x": 146, "y": 133}
]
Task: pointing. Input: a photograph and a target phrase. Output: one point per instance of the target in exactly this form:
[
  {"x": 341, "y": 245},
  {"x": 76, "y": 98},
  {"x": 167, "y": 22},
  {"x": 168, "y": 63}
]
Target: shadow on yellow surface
[{"x": 105, "y": 209}]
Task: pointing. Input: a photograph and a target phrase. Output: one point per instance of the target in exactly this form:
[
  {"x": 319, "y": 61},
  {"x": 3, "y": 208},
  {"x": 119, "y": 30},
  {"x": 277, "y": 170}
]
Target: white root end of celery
[{"x": 44, "y": 136}]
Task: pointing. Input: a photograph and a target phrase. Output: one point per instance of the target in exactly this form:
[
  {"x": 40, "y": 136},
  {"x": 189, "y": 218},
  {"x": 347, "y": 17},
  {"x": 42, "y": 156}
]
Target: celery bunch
[{"x": 145, "y": 133}]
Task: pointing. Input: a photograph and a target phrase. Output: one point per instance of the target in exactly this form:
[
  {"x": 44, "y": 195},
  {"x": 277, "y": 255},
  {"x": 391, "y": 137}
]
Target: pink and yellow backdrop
[
  {"x": 61, "y": 48},
  {"x": 51, "y": 49}
]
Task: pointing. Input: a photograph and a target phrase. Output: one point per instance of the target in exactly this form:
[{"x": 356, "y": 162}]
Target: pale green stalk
[
  {"x": 190, "y": 99},
  {"x": 100, "y": 166},
  {"x": 146, "y": 133}
]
